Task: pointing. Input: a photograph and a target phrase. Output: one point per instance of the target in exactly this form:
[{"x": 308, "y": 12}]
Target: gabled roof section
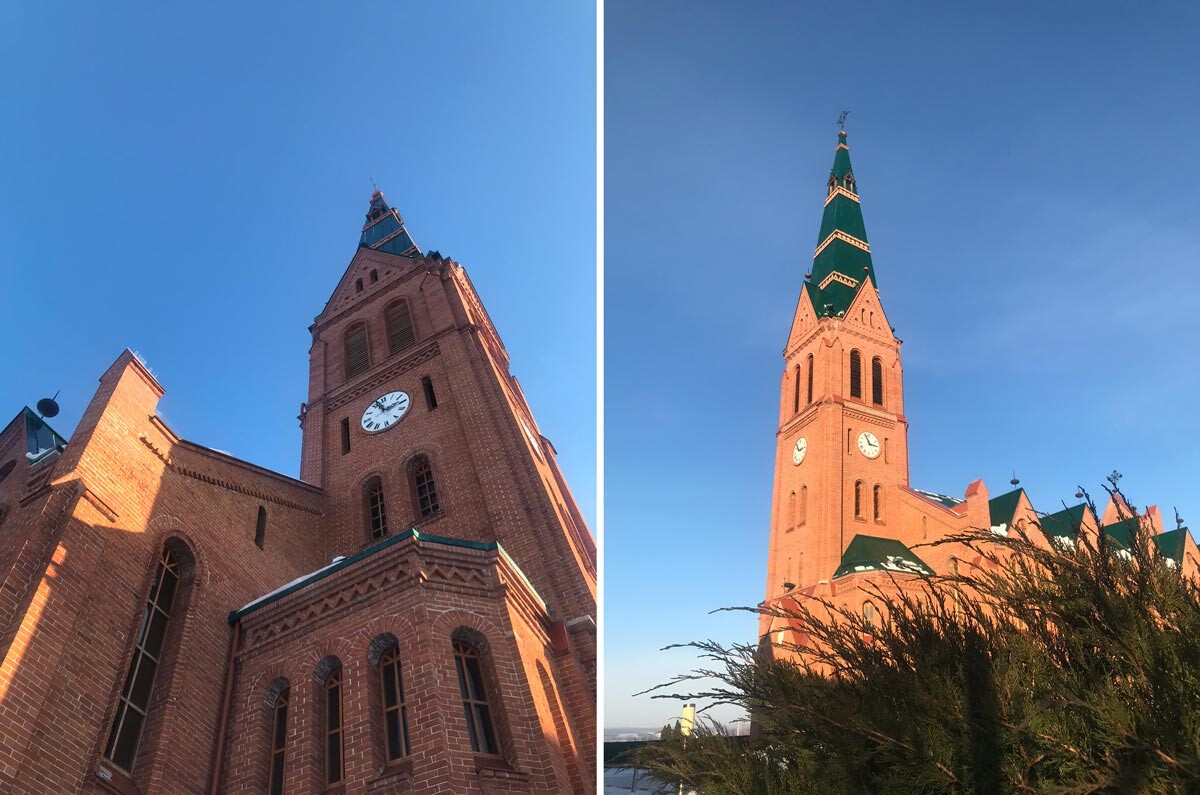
[
  {"x": 1003, "y": 507},
  {"x": 1065, "y": 523},
  {"x": 1171, "y": 544},
  {"x": 872, "y": 553},
  {"x": 384, "y": 230},
  {"x": 842, "y": 259}
]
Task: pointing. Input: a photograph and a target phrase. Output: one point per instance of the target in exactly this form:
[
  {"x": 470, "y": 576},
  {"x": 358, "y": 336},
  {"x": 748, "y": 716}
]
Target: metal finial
[
  {"x": 1015, "y": 481},
  {"x": 842, "y": 120},
  {"x": 373, "y": 185}
]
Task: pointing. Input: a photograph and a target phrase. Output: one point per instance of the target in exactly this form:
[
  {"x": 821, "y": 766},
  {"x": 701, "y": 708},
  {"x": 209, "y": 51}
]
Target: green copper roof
[
  {"x": 1064, "y": 523},
  {"x": 384, "y": 230},
  {"x": 1004, "y": 506},
  {"x": 872, "y": 553},
  {"x": 1172, "y": 543},
  {"x": 837, "y": 254},
  {"x": 1119, "y": 533}
]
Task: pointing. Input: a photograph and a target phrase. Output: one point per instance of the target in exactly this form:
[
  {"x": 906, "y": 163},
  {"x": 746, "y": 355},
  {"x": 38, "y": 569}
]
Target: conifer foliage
[{"x": 1046, "y": 668}]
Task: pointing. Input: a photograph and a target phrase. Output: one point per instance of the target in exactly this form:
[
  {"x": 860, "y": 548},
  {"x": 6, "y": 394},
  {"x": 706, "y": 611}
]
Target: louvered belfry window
[
  {"x": 424, "y": 489},
  {"x": 855, "y": 374},
  {"x": 810, "y": 377},
  {"x": 877, "y": 381},
  {"x": 358, "y": 358},
  {"x": 400, "y": 331},
  {"x": 134, "y": 703}
]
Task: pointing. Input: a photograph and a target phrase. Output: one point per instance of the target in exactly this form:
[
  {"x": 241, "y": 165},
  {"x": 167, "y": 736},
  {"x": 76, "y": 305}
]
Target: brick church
[
  {"x": 844, "y": 513},
  {"x": 416, "y": 614}
]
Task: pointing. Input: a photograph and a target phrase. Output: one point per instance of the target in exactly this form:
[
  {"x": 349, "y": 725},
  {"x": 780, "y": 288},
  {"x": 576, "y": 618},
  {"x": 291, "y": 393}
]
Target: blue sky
[
  {"x": 189, "y": 180},
  {"x": 1029, "y": 180}
]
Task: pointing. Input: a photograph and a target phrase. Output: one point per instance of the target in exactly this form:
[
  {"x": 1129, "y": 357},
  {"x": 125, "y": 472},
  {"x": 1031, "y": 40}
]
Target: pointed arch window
[
  {"x": 877, "y": 381},
  {"x": 376, "y": 508},
  {"x": 358, "y": 358},
  {"x": 133, "y": 706},
  {"x": 877, "y": 502},
  {"x": 868, "y": 613},
  {"x": 469, "y": 665},
  {"x": 424, "y": 489},
  {"x": 858, "y": 499},
  {"x": 810, "y": 377},
  {"x": 278, "y": 743},
  {"x": 400, "y": 332},
  {"x": 395, "y": 710},
  {"x": 855, "y": 375},
  {"x": 333, "y": 726},
  {"x": 796, "y": 390}
]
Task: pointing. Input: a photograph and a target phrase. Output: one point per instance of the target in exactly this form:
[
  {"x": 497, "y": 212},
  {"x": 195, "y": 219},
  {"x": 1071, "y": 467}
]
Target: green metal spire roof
[
  {"x": 1003, "y": 507},
  {"x": 872, "y": 553},
  {"x": 1064, "y": 523},
  {"x": 842, "y": 259},
  {"x": 384, "y": 230}
]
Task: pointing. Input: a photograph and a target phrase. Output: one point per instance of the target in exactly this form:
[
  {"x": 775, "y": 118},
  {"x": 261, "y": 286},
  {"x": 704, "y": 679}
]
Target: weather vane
[{"x": 842, "y": 119}]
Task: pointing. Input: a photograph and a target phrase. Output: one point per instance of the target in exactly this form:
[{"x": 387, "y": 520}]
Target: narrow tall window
[
  {"x": 333, "y": 727},
  {"x": 358, "y": 285},
  {"x": 791, "y": 512},
  {"x": 803, "y": 504},
  {"x": 345, "y": 435},
  {"x": 374, "y": 276},
  {"x": 877, "y": 381},
  {"x": 260, "y": 529},
  {"x": 855, "y": 374},
  {"x": 3, "y": 514},
  {"x": 395, "y": 711},
  {"x": 134, "y": 702},
  {"x": 796, "y": 390},
  {"x": 398, "y": 322},
  {"x": 475, "y": 699},
  {"x": 810, "y": 377},
  {"x": 358, "y": 358},
  {"x": 425, "y": 496},
  {"x": 858, "y": 495},
  {"x": 376, "y": 509},
  {"x": 869, "y": 615},
  {"x": 877, "y": 502},
  {"x": 430, "y": 395},
  {"x": 278, "y": 744}
]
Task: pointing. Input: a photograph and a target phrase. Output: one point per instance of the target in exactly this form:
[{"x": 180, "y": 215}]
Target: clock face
[
  {"x": 799, "y": 451},
  {"x": 868, "y": 445},
  {"x": 385, "y": 412}
]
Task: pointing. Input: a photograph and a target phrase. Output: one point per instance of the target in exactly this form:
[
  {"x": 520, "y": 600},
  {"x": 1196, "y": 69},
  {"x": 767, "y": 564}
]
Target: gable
[
  {"x": 387, "y": 268},
  {"x": 866, "y": 312}
]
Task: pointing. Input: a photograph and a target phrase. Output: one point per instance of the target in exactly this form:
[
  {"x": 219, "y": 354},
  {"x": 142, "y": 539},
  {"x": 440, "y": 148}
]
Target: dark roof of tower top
[
  {"x": 842, "y": 259},
  {"x": 384, "y": 229}
]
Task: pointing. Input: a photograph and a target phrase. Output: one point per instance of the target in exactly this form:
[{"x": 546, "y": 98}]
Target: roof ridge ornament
[{"x": 841, "y": 122}]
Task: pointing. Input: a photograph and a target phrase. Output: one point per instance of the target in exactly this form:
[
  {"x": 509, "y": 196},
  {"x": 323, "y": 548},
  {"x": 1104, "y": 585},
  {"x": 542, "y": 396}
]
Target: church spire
[
  {"x": 842, "y": 259},
  {"x": 384, "y": 229}
]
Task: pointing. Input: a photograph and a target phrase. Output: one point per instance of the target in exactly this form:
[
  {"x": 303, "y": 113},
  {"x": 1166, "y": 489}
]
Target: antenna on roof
[
  {"x": 842, "y": 120},
  {"x": 1015, "y": 481},
  {"x": 47, "y": 407}
]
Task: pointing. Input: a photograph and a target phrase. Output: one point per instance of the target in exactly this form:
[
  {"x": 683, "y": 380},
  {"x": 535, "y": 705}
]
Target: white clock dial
[
  {"x": 385, "y": 412},
  {"x": 799, "y": 451},
  {"x": 868, "y": 445}
]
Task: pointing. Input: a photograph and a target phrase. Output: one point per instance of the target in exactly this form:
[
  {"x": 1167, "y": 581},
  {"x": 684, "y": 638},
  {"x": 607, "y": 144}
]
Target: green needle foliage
[{"x": 1046, "y": 670}]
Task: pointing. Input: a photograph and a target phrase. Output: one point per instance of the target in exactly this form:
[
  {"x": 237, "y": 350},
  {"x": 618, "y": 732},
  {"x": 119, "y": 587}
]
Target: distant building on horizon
[
  {"x": 416, "y": 614},
  {"x": 844, "y": 513}
]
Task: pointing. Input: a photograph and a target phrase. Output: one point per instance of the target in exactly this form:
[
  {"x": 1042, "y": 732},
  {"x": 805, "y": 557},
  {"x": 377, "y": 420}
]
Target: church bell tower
[{"x": 842, "y": 445}]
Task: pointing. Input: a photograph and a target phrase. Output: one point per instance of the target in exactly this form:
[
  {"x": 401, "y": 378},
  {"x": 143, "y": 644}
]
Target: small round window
[{"x": 7, "y": 469}]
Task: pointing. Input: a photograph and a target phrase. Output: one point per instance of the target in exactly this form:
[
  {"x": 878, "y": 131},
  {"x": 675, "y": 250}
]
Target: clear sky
[
  {"x": 189, "y": 180},
  {"x": 1028, "y": 174}
]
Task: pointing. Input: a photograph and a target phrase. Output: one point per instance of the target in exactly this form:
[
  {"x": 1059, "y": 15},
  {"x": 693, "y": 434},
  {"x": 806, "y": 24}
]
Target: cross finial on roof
[{"x": 842, "y": 120}]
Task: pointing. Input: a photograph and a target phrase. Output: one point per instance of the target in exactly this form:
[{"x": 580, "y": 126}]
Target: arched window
[
  {"x": 877, "y": 502},
  {"x": 278, "y": 742},
  {"x": 395, "y": 710},
  {"x": 855, "y": 374},
  {"x": 332, "y": 726},
  {"x": 810, "y": 377},
  {"x": 358, "y": 357},
  {"x": 398, "y": 322},
  {"x": 133, "y": 706},
  {"x": 425, "y": 496},
  {"x": 877, "y": 381},
  {"x": 858, "y": 495},
  {"x": 868, "y": 615},
  {"x": 469, "y": 665},
  {"x": 260, "y": 529},
  {"x": 791, "y": 514},
  {"x": 376, "y": 509},
  {"x": 803, "y": 504},
  {"x": 796, "y": 390}
]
